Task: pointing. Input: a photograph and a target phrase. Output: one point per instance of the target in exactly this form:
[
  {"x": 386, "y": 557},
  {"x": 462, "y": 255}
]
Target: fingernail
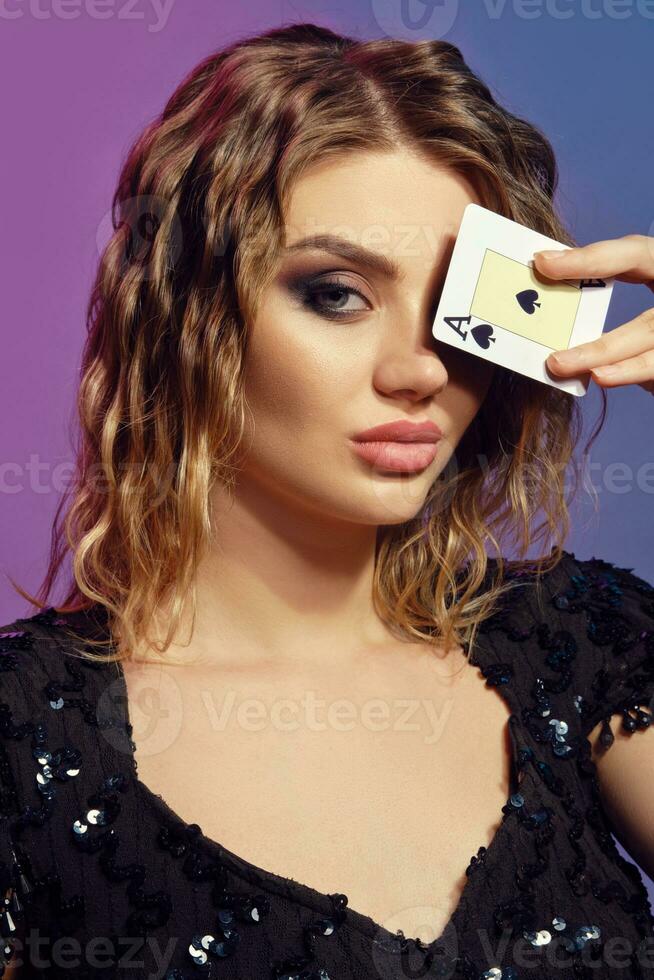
[
  {"x": 566, "y": 356},
  {"x": 606, "y": 370},
  {"x": 552, "y": 254}
]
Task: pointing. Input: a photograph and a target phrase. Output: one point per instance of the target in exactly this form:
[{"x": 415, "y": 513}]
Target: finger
[
  {"x": 628, "y": 340},
  {"x": 630, "y": 258},
  {"x": 635, "y": 370}
]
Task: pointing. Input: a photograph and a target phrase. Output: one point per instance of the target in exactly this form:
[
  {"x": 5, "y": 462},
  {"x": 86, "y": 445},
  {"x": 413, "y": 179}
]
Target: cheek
[
  {"x": 288, "y": 383},
  {"x": 467, "y": 371},
  {"x": 481, "y": 379},
  {"x": 469, "y": 379}
]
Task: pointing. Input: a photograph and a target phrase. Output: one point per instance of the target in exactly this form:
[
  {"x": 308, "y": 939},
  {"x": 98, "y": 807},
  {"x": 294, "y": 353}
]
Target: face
[{"x": 342, "y": 339}]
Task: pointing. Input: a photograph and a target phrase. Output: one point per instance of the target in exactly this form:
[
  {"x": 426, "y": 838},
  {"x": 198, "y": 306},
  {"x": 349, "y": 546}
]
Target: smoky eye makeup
[{"x": 328, "y": 294}]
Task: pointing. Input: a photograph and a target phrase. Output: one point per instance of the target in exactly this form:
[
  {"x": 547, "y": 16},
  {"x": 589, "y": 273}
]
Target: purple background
[{"x": 81, "y": 78}]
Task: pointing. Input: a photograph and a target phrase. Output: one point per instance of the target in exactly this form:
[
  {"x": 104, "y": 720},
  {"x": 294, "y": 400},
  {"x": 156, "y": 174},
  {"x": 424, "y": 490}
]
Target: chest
[{"x": 382, "y": 787}]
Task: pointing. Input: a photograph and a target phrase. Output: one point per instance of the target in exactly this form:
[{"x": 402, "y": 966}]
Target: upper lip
[{"x": 401, "y": 431}]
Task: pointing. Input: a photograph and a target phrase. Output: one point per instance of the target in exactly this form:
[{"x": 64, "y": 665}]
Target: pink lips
[
  {"x": 401, "y": 431},
  {"x": 401, "y": 446}
]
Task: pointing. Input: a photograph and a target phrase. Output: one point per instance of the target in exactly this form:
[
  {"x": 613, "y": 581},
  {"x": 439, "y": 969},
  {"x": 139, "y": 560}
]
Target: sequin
[
  {"x": 539, "y": 938},
  {"x": 543, "y": 702},
  {"x": 586, "y": 933},
  {"x": 198, "y": 956},
  {"x": 230, "y": 937}
]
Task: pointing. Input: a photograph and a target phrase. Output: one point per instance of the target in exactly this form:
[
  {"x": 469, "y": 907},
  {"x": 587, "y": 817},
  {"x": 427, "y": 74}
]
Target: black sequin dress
[{"x": 114, "y": 884}]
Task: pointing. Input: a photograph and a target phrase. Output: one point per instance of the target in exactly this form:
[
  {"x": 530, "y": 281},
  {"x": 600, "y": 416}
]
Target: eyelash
[{"x": 307, "y": 290}]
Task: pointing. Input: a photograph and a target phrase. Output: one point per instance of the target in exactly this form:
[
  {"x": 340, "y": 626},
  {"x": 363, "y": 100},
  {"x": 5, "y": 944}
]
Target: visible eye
[{"x": 329, "y": 298}]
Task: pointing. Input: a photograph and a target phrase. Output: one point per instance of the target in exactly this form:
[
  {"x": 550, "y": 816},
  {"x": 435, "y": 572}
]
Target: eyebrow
[{"x": 350, "y": 250}]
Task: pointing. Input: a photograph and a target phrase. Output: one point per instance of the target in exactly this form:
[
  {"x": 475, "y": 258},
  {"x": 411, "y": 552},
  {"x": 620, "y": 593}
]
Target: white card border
[{"x": 516, "y": 239}]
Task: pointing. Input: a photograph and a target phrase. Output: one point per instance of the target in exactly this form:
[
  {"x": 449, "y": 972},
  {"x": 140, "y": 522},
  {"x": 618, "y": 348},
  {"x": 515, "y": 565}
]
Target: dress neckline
[{"x": 305, "y": 894}]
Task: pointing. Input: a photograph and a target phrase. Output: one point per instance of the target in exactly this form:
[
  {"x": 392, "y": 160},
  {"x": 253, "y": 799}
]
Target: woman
[{"x": 253, "y": 556}]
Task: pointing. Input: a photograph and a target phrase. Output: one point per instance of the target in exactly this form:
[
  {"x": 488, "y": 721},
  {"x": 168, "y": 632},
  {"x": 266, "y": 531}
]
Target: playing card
[{"x": 497, "y": 305}]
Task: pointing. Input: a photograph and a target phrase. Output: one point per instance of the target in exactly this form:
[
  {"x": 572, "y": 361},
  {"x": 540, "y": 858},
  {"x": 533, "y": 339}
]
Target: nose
[{"x": 410, "y": 370}]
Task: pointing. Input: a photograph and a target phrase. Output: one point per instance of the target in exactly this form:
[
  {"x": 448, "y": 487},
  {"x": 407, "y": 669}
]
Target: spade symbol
[
  {"x": 483, "y": 335},
  {"x": 527, "y": 300}
]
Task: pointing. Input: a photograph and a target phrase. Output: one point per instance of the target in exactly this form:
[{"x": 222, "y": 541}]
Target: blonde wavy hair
[{"x": 198, "y": 220}]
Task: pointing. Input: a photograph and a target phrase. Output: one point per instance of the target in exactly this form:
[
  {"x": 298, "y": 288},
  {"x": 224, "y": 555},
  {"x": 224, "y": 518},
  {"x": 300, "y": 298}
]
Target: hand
[{"x": 624, "y": 355}]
